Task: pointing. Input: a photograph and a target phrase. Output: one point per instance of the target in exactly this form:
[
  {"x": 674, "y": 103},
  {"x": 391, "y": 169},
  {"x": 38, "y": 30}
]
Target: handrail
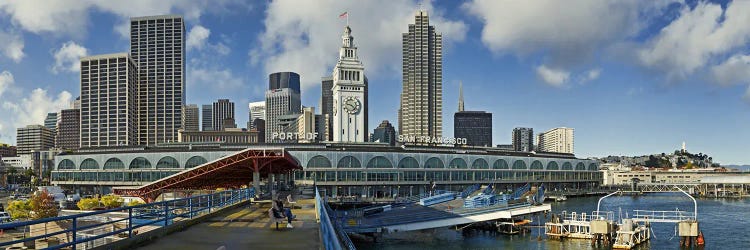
[{"x": 598, "y": 204}]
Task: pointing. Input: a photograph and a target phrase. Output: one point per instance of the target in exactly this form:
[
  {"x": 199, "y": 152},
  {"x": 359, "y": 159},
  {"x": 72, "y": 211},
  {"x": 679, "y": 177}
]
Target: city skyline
[{"x": 649, "y": 105}]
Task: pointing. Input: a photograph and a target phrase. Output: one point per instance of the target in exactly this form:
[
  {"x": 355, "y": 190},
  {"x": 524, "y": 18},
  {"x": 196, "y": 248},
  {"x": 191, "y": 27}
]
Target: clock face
[{"x": 351, "y": 105}]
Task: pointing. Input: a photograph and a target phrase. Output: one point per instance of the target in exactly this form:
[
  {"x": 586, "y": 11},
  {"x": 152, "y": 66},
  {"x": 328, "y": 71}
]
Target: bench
[
  {"x": 290, "y": 201},
  {"x": 274, "y": 219}
]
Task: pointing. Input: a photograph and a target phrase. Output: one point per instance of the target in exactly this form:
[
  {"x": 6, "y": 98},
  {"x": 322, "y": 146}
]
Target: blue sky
[{"x": 632, "y": 77}]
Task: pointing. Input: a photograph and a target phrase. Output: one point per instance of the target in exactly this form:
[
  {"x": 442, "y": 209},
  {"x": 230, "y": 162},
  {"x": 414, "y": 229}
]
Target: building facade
[
  {"x": 326, "y": 103},
  {"x": 233, "y": 136},
  {"x": 557, "y": 140},
  {"x": 523, "y": 139},
  {"x": 421, "y": 109},
  {"x": 68, "y": 136},
  {"x": 384, "y": 133},
  {"x": 109, "y": 105},
  {"x": 207, "y": 119},
  {"x": 157, "y": 45},
  {"x": 223, "y": 109},
  {"x": 349, "y": 94},
  {"x": 475, "y": 126},
  {"x": 34, "y": 138},
  {"x": 191, "y": 117},
  {"x": 7, "y": 150},
  {"x": 257, "y": 111},
  {"x": 51, "y": 121},
  {"x": 300, "y": 126},
  {"x": 282, "y": 98}
]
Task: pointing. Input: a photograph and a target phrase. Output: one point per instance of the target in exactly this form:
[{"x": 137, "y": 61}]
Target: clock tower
[{"x": 349, "y": 94}]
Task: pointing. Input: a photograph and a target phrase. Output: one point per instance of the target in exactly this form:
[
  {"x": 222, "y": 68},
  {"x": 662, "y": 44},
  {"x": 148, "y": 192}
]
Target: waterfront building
[
  {"x": 282, "y": 98},
  {"x": 557, "y": 140},
  {"x": 157, "y": 46},
  {"x": 507, "y": 147},
  {"x": 68, "y": 134},
  {"x": 208, "y": 116},
  {"x": 326, "y": 103},
  {"x": 421, "y": 108},
  {"x": 109, "y": 108},
  {"x": 7, "y": 150},
  {"x": 523, "y": 139},
  {"x": 190, "y": 117},
  {"x": 229, "y": 135},
  {"x": 223, "y": 109},
  {"x": 362, "y": 169},
  {"x": 34, "y": 138},
  {"x": 474, "y": 126},
  {"x": 350, "y": 107},
  {"x": 384, "y": 133},
  {"x": 51, "y": 121},
  {"x": 257, "y": 111},
  {"x": 627, "y": 177}
]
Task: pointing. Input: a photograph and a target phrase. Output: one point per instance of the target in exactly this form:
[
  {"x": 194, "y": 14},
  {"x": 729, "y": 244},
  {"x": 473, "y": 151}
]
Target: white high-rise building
[
  {"x": 282, "y": 98},
  {"x": 257, "y": 110},
  {"x": 557, "y": 140},
  {"x": 349, "y": 94}
]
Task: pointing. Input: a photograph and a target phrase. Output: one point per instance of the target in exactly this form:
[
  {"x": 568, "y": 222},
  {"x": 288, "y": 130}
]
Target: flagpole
[{"x": 347, "y": 18}]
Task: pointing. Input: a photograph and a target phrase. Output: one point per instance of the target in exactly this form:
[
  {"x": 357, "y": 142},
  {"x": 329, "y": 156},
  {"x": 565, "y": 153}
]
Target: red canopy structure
[{"x": 231, "y": 171}]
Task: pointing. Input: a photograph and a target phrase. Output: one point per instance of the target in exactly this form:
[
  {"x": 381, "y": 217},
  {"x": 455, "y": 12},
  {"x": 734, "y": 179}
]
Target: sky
[{"x": 632, "y": 77}]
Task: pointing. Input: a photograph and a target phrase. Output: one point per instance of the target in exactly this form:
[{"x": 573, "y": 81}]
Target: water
[{"x": 724, "y": 224}]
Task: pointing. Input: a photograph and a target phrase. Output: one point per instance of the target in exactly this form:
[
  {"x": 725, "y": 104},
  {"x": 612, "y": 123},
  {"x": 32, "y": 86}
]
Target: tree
[
  {"x": 19, "y": 209},
  {"x": 12, "y": 171},
  {"x": 135, "y": 203},
  {"x": 112, "y": 201},
  {"x": 29, "y": 173},
  {"x": 88, "y": 203},
  {"x": 43, "y": 205}
]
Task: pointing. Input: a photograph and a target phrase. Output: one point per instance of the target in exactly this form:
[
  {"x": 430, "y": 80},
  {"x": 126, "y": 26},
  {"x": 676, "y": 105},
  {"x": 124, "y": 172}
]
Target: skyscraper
[
  {"x": 257, "y": 111},
  {"x": 557, "y": 140},
  {"x": 34, "y": 138},
  {"x": 384, "y": 133},
  {"x": 208, "y": 116},
  {"x": 474, "y": 126},
  {"x": 421, "y": 110},
  {"x": 282, "y": 98},
  {"x": 157, "y": 45},
  {"x": 68, "y": 134},
  {"x": 523, "y": 139},
  {"x": 108, "y": 101},
  {"x": 51, "y": 121},
  {"x": 349, "y": 94},
  {"x": 326, "y": 103},
  {"x": 223, "y": 110},
  {"x": 190, "y": 117}
]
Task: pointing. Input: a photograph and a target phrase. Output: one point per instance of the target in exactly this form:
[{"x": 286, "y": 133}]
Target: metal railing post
[
  {"x": 190, "y": 207},
  {"x": 130, "y": 222},
  {"x": 75, "y": 232},
  {"x": 166, "y": 213},
  {"x": 209, "y": 202}
]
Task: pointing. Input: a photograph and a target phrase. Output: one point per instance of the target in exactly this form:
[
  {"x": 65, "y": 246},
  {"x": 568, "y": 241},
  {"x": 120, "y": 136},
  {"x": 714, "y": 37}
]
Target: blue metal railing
[
  {"x": 92, "y": 229},
  {"x": 332, "y": 234}
]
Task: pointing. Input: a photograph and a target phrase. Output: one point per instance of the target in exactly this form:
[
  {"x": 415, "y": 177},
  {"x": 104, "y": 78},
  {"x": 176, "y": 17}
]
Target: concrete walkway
[{"x": 247, "y": 228}]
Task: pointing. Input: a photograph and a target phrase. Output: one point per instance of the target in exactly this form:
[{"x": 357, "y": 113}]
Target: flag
[{"x": 344, "y": 15}]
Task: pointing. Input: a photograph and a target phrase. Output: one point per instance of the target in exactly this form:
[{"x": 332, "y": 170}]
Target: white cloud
[
  {"x": 553, "y": 77},
  {"x": 197, "y": 37},
  {"x": 568, "y": 32},
  {"x": 70, "y": 17},
  {"x": 11, "y": 46},
  {"x": 31, "y": 109},
  {"x": 304, "y": 36},
  {"x": 214, "y": 78},
  {"x": 68, "y": 57},
  {"x": 735, "y": 70},
  {"x": 688, "y": 43},
  {"x": 6, "y": 80},
  {"x": 590, "y": 75}
]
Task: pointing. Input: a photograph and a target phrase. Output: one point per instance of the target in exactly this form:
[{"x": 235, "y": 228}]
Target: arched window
[
  {"x": 408, "y": 162},
  {"x": 89, "y": 164},
  {"x": 66, "y": 164},
  {"x": 580, "y": 166},
  {"x": 379, "y": 162},
  {"x": 500, "y": 164},
  {"x": 195, "y": 161},
  {"x": 593, "y": 167},
  {"x": 480, "y": 164},
  {"x": 114, "y": 163},
  {"x": 167, "y": 162},
  {"x": 139, "y": 163},
  {"x": 519, "y": 164},
  {"x": 434, "y": 162},
  {"x": 552, "y": 166},
  {"x": 567, "y": 166},
  {"x": 457, "y": 163},
  {"x": 349, "y": 162},
  {"x": 319, "y": 161},
  {"x": 537, "y": 165}
]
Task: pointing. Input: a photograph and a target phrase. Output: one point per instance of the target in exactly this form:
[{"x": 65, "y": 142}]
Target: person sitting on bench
[{"x": 279, "y": 211}]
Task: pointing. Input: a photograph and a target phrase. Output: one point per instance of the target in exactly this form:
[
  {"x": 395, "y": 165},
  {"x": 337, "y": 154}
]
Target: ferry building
[{"x": 362, "y": 170}]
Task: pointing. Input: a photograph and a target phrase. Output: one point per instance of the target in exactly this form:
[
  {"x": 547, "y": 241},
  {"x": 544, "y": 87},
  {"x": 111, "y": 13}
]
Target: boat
[{"x": 512, "y": 227}]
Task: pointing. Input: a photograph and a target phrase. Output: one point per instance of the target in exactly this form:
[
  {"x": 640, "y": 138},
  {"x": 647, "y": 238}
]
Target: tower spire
[{"x": 460, "y": 96}]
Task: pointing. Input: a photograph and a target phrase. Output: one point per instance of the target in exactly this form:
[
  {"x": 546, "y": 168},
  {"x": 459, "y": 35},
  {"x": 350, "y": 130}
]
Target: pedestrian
[{"x": 278, "y": 206}]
